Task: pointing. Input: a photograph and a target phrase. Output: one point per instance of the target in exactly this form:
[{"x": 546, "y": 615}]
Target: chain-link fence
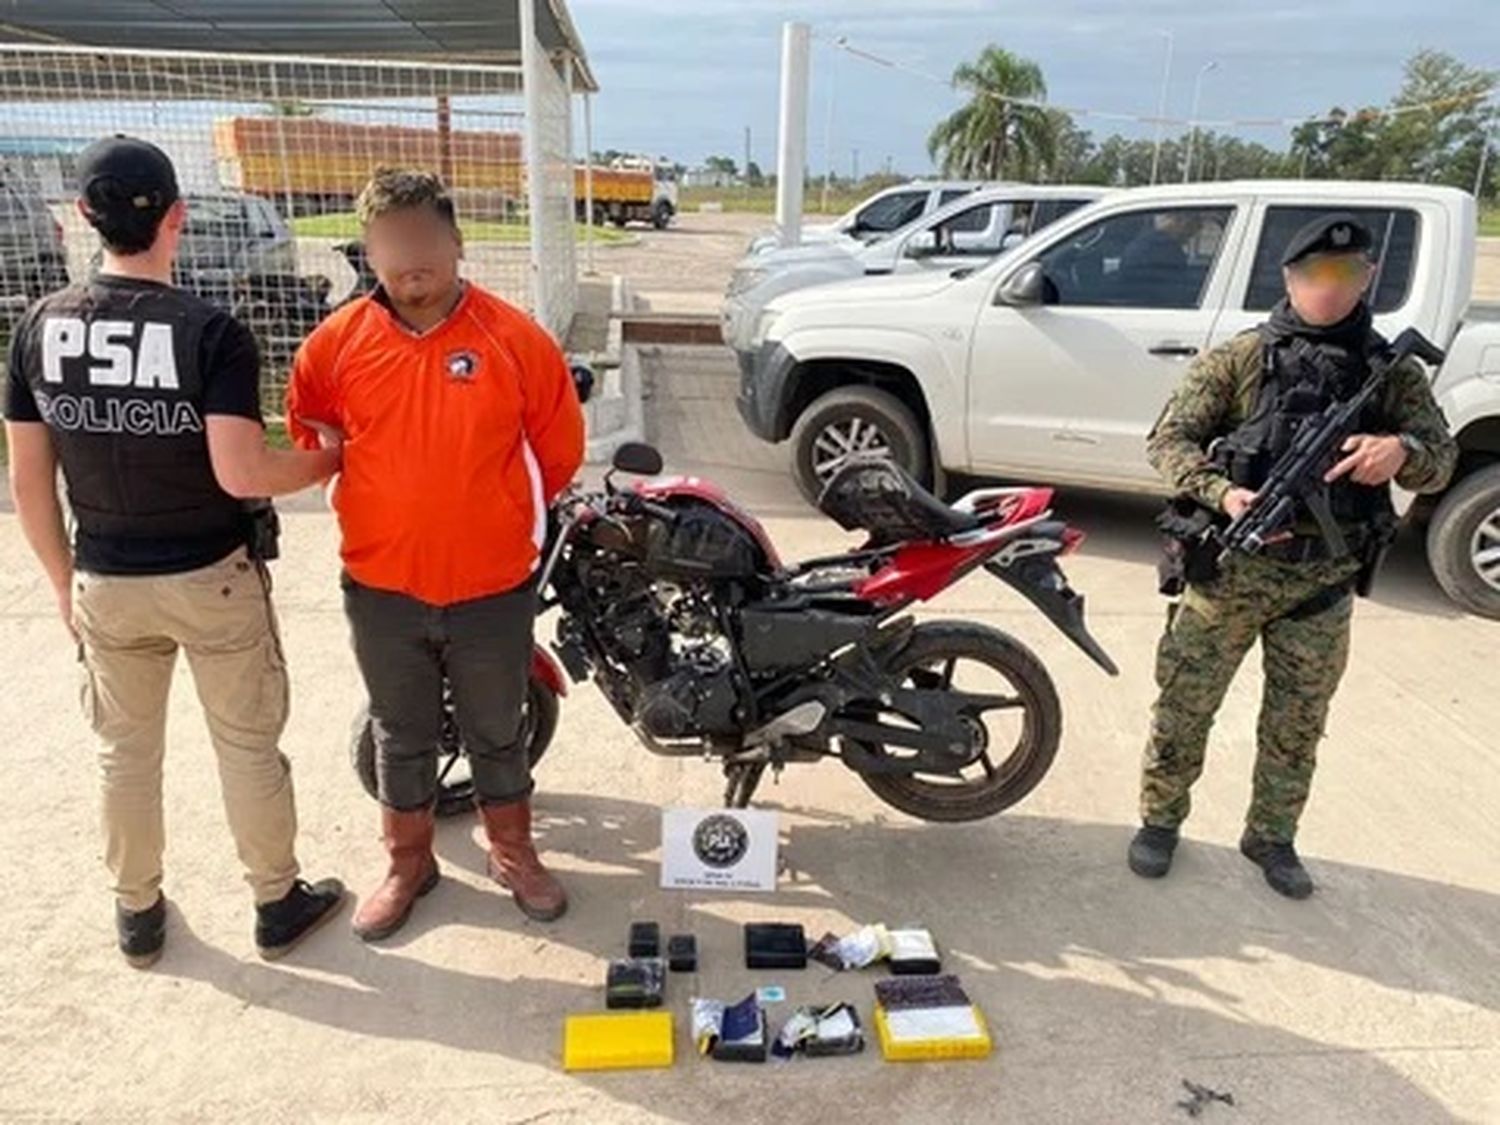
[{"x": 270, "y": 153}]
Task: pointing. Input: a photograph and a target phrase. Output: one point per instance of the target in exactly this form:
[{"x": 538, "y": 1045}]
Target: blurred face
[
  {"x": 415, "y": 253},
  {"x": 1325, "y": 288}
]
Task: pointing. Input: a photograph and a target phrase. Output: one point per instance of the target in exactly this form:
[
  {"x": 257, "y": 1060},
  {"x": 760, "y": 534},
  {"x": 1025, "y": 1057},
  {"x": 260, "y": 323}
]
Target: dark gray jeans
[{"x": 404, "y": 647}]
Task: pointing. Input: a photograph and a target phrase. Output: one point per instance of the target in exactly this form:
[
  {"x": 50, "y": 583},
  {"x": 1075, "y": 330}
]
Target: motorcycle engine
[
  {"x": 678, "y": 676},
  {"x": 698, "y": 694}
]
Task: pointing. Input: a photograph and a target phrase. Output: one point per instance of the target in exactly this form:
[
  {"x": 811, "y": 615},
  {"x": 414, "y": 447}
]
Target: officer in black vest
[{"x": 148, "y": 397}]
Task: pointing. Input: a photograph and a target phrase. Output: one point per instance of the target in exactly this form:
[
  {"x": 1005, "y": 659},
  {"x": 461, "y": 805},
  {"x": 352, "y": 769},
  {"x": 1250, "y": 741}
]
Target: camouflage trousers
[{"x": 1305, "y": 649}]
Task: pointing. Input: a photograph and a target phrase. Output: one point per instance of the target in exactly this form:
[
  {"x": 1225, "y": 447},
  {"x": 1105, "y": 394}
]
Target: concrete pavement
[{"x": 1378, "y": 1000}]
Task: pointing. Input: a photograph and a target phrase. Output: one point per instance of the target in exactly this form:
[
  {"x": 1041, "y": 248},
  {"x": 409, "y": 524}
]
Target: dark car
[
  {"x": 33, "y": 255},
  {"x": 229, "y": 238}
]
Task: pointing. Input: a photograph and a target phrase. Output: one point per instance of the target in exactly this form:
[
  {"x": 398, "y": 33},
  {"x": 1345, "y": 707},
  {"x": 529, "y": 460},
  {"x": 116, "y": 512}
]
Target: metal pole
[
  {"x": 1187, "y": 164},
  {"x": 833, "y": 64},
  {"x": 588, "y": 182},
  {"x": 445, "y": 139},
  {"x": 1484, "y": 160},
  {"x": 532, "y": 61},
  {"x": 748, "y": 162},
  {"x": 791, "y": 145},
  {"x": 1161, "y": 108}
]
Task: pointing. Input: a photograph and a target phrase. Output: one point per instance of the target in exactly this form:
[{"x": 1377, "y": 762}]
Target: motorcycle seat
[{"x": 870, "y": 492}]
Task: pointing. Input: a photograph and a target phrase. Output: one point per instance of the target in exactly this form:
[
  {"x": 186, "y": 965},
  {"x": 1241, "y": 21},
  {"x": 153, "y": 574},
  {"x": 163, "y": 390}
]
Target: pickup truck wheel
[
  {"x": 855, "y": 420},
  {"x": 1463, "y": 543}
]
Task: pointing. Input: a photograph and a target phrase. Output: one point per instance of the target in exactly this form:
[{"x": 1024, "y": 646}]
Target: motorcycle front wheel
[
  {"x": 1020, "y": 732},
  {"x": 455, "y": 787}
]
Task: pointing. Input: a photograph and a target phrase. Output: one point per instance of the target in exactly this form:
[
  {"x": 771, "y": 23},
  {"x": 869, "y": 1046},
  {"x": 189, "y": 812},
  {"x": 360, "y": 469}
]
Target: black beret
[{"x": 1335, "y": 233}]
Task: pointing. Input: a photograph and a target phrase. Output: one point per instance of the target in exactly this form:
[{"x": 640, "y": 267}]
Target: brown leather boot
[
  {"x": 413, "y": 872},
  {"x": 514, "y": 862}
]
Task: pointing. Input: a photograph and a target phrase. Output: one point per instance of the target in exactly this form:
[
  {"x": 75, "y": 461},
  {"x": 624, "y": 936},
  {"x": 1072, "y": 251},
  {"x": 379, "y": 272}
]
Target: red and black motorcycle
[{"x": 673, "y": 600}]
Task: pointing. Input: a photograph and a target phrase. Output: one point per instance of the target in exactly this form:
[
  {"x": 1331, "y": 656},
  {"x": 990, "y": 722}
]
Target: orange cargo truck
[{"x": 321, "y": 164}]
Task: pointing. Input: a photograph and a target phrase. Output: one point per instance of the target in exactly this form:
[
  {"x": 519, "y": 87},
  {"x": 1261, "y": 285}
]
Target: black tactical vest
[
  {"x": 115, "y": 366},
  {"x": 1299, "y": 380}
]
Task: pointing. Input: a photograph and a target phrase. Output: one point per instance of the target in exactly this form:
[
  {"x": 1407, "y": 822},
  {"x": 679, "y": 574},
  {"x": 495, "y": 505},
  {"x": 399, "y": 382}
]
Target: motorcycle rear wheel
[{"x": 943, "y": 650}]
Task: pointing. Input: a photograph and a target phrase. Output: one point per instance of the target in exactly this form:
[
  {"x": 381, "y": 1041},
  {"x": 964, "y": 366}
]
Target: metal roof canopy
[{"x": 378, "y": 33}]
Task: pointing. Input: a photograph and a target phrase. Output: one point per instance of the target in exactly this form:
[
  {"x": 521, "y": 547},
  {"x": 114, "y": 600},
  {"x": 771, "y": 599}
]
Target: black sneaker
[
  {"x": 281, "y": 925},
  {"x": 143, "y": 933},
  {"x": 1283, "y": 870},
  {"x": 1151, "y": 851}
]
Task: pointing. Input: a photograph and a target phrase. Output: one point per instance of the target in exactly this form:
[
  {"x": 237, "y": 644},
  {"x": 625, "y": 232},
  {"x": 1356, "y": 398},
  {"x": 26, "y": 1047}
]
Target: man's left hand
[{"x": 1370, "y": 459}]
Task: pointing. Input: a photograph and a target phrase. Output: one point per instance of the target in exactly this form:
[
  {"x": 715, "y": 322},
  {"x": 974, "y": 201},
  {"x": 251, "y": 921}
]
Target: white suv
[
  {"x": 876, "y": 217},
  {"x": 965, "y": 234}
]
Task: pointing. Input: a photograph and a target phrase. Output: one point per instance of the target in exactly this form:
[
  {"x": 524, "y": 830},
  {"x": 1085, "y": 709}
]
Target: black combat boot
[
  {"x": 1151, "y": 851},
  {"x": 280, "y": 925},
  {"x": 1283, "y": 870},
  {"x": 142, "y": 933}
]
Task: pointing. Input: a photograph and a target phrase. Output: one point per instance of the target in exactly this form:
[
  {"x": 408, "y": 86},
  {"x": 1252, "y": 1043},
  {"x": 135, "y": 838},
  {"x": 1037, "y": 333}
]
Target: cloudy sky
[{"x": 683, "y": 78}]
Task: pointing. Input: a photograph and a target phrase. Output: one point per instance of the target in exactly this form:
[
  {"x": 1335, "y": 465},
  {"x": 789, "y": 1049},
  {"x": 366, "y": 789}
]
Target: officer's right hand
[
  {"x": 329, "y": 437},
  {"x": 1236, "y": 501}
]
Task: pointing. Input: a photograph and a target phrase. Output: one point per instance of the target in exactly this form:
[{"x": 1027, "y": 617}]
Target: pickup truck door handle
[{"x": 1169, "y": 349}]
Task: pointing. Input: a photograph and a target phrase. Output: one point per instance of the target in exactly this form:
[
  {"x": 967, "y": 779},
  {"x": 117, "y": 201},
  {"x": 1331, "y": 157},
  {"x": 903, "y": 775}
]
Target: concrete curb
[{"x": 615, "y": 414}]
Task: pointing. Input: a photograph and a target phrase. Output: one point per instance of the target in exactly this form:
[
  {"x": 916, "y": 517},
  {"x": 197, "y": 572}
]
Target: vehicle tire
[
  {"x": 1463, "y": 542},
  {"x": 943, "y": 798},
  {"x": 855, "y": 419},
  {"x": 538, "y": 725},
  {"x": 661, "y": 214}
]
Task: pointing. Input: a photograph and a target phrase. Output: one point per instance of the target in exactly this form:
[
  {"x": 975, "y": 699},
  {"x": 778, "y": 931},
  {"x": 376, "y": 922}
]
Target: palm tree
[{"x": 992, "y": 138}]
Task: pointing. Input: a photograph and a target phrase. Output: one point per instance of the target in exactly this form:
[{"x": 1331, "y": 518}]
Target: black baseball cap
[
  {"x": 122, "y": 175},
  {"x": 1335, "y": 233}
]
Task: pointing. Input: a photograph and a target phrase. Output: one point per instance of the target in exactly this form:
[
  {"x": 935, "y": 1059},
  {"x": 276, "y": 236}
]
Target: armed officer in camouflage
[{"x": 1233, "y": 414}]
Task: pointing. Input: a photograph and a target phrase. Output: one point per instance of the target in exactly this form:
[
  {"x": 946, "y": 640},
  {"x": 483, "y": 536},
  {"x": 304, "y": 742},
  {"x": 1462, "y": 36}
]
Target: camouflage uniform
[{"x": 1216, "y": 624}]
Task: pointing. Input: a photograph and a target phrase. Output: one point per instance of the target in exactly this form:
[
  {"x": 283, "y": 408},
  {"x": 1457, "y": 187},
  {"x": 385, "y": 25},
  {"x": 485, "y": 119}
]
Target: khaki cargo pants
[{"x": 131, "y": 630}]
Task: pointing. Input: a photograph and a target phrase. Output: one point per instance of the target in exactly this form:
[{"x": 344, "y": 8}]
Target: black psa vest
[
  {"x": 1300, "y": 379},
  {"x": 115, "y": 366}
]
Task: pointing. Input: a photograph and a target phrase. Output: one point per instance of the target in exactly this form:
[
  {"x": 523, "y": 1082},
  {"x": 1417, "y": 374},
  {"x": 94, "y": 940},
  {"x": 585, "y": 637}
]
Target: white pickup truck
[{"x": 1052, "y": 362}]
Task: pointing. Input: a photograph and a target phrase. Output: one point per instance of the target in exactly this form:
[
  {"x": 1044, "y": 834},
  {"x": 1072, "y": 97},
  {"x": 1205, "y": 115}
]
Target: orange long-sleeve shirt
[{"x": 456, "y": 440}]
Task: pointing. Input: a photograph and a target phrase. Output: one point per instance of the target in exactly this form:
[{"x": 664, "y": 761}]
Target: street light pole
[
  {"x": 1187, "y": 164},
  {"x": 1161, "y": 108}
]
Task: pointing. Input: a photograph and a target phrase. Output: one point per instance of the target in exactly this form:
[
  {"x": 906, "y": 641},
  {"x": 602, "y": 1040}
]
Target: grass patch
[
  {"x": 762, "y": 200},
  {"x": 343, "y": 224},
  {"x": 1489, "y": 223}
]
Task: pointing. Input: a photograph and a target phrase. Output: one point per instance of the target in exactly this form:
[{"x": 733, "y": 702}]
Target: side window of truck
[
  {"x": 1152, "y": 259},
  {"x": 1395, "y": 250},
  {"x": 892, "y": 211}
]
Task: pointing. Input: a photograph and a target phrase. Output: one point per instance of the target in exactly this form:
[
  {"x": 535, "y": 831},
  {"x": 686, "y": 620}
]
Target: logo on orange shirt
[{"x": 462, "y": 365}]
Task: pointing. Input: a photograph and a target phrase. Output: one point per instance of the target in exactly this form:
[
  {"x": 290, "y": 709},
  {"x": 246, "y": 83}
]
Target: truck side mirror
[
  {"x": 922, "y": 244},
  {"x": 1024, "y": 288}
]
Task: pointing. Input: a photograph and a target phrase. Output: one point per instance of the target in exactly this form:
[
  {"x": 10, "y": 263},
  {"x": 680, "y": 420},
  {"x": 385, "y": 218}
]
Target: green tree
[
  {"x": 992, "y": 138},
  {"x": 1442, "y": 142},
  {"x": 291, "y": 107}
]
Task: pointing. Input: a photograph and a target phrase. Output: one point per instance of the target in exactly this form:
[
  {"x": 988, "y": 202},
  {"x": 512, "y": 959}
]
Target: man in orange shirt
[{"x": 460, "y": 425}]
